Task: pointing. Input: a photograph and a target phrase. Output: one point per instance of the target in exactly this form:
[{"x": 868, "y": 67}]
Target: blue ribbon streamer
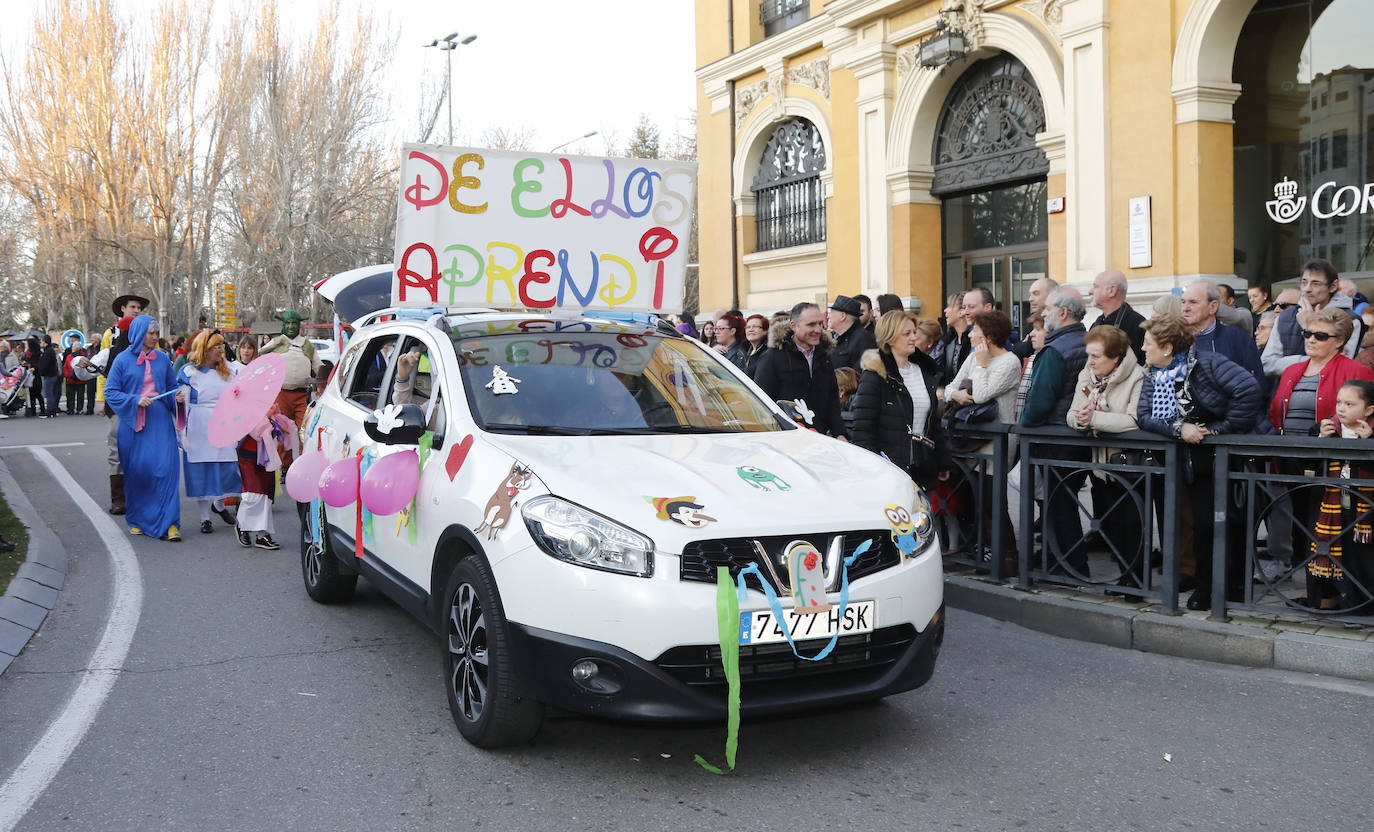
[
  {"x": 776, "y": 606},
  {"x": 315, "y": 520}
]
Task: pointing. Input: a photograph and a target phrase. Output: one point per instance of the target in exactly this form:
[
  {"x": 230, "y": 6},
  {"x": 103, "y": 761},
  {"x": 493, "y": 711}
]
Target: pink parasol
[{"x": 247, "y": 399}]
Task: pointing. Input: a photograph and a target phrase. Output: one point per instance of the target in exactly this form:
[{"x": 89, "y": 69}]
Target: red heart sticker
[{"x": 456, "y": 455}]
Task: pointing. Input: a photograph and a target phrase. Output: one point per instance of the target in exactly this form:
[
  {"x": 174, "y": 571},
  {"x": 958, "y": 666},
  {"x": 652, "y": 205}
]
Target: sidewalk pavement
[
  {"x": 1253, "y": 639},
  {"x": 33, "y": 592}
]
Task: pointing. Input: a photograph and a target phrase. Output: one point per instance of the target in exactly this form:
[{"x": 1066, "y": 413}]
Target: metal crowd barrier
[{"x": 1269, "y": 493}]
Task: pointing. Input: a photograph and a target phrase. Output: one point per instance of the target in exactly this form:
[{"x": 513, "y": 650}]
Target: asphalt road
[{"x": 243, "y": 705}]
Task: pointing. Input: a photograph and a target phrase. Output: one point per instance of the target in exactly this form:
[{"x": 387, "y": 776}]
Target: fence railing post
[
  {"x": 1173, "y": 496},
  {"x": 1027, "y": 536},
  {"x": 1221, "y": 470},
  {"x": 998, "y": 479}
]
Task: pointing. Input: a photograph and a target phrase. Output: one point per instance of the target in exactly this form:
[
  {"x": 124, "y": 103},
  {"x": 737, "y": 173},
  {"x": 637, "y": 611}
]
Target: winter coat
[
  {"x": 736, "y": 353},
  {"x": 48, "y": 365},
  {"x": 753, "y": 357},
  {"x": 1123, "y": 400},
  {"x": 1225, "y": 393},
  {"x": 850, "y": 347},
  {"x": 883, "y": 411},
  {"x": 1337, "y": 371},
  {"x": 1128, "y": 321},
  {"x": 783, "y": 374},
  {"x": 1055, "y": 370},
  {"x": 1236, "y": 344}
]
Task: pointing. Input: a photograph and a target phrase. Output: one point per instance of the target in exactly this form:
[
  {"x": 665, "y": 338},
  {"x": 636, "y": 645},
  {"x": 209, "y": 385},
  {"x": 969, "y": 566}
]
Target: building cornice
[
  {"x": 1205, "y": 102},
  {"x": 714, "y": 77}
]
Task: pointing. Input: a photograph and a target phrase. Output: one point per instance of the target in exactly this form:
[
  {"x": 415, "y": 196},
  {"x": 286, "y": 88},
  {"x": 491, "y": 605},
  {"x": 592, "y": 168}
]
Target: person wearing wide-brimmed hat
[{"x": 124, "y": 306}]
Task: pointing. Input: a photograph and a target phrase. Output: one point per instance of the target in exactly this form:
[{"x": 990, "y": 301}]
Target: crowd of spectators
[{"x": 1190, "y": 366}]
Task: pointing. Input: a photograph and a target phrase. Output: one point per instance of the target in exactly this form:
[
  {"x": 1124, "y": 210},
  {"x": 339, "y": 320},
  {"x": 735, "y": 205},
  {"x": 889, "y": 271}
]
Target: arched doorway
[{"x": 991, "y": 180}]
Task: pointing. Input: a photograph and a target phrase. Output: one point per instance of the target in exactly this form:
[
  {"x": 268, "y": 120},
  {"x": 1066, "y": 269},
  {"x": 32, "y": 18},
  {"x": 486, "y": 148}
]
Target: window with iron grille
[
  {"x": 781, "y": 15},
  {"x": 789, "y": 206}
]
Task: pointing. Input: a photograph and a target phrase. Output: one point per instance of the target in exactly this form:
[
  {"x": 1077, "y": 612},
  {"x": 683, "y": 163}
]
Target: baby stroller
[{"x": 14, "y": 387}]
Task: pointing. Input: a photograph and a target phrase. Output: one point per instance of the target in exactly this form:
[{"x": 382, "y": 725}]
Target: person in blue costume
[
  {"x": 211, "y": 473},
  {"x": 147, "y": 432}
]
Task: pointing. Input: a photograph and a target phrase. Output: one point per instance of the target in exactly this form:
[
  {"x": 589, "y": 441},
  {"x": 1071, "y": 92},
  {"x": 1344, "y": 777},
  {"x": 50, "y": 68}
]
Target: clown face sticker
[{"x": 684, "y": 511}]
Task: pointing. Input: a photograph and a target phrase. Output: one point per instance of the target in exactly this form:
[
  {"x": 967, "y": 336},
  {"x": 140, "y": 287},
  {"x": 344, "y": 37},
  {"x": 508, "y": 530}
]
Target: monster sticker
[
  {"x": 903, "y": 529},
  {"x": 497, "y": 513},
  {"x": 806, "y": 577},
  {"x": 761, "y": 479},
  {"x": 685, "y": 511}
]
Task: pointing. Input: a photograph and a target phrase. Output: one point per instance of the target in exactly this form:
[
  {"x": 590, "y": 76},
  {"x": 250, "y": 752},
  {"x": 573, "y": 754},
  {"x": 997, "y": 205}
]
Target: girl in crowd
[
  {"x": 211, "y": 473},
  {"x": 708, "y": 333},
  {"x": 756, "y": 334},
  {"x": 1105, "y": 401},
  {"x": 1342, "y": 579},
  {"x": 1190, "y": 395},
  {"x": 895, "y": 410}
]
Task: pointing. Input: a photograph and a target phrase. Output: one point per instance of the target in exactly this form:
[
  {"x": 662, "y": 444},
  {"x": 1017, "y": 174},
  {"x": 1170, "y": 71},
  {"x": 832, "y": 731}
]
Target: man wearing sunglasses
[
  {"x": 1200, "y": 303},
  {"x": 1319, "y": 288}
]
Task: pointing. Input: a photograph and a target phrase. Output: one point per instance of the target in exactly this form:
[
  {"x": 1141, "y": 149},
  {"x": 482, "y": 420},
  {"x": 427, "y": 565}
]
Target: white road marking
[
  {"x": 48, "y": 445},
  {"x": 48, "y": 755}
]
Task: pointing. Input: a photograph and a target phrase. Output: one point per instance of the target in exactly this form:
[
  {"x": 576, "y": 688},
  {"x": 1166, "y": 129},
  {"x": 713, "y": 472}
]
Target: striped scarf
[
  {"x": 1326, "y": 545},
  {"x": 1164, "y": 405}
]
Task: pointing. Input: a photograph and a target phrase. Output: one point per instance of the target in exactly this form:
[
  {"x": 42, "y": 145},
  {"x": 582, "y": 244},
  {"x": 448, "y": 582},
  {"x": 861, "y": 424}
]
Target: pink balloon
[
  {"x": 339, "y": 483},
  {"x": 303, "y": 478},
  {"x": 389, "y": 484}
]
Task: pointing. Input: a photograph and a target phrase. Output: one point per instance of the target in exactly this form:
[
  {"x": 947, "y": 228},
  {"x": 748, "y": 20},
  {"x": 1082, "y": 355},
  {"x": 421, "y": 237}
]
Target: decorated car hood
[{"x": 679, "y": 488}]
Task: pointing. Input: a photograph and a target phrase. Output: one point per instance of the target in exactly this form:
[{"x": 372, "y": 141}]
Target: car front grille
[
  {"x": 701, "y": 557},
  {"x": 766, "y": 667}
]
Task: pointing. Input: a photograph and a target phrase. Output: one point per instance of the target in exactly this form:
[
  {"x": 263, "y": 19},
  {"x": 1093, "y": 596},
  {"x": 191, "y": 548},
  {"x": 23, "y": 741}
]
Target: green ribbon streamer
[
  {"x": 426, "y": 445},
  {"x": 727, "y": 628}
]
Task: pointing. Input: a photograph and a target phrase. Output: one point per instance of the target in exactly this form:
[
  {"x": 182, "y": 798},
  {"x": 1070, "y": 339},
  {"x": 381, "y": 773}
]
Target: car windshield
[{"x": 595, "y": 383}]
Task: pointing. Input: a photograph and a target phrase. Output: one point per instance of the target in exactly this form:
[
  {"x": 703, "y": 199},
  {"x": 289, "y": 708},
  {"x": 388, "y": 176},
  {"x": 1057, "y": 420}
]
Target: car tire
[
  {"x": 326, "y": 580},
  {"x": 479, "y": 678}
]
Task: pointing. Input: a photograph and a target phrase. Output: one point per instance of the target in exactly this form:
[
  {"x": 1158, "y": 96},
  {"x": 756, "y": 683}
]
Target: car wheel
[
  {"x": 326, "y": 580},
  {"x": 482, "y": 695}
]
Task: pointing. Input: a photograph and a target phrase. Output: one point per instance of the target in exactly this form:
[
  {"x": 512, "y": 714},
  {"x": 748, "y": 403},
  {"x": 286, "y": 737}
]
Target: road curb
[
  {"x": 34, "y": 591},
  {"x": 1120, "y": 625}
]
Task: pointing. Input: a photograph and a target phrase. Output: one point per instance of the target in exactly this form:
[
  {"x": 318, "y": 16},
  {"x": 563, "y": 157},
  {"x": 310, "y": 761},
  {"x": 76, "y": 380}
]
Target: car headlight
[
  {"x": 922, "y": 517},
  {"x": 574, "y": 534}
]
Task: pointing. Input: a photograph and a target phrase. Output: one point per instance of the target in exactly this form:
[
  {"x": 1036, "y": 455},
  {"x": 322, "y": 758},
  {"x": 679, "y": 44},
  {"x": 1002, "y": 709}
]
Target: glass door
[
  {"x": 1025, "y": 269},
  {"x": 986, "y": 273}
]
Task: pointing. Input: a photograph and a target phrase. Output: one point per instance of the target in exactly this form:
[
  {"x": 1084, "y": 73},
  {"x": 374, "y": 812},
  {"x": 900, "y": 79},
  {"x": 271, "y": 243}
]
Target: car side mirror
[{"x": 396, "y": 424}]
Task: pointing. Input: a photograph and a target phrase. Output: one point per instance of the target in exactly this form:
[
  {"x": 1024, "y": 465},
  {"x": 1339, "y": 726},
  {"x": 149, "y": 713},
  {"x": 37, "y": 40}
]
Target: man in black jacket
[
  {"x": 1109, "y": 296},
  {"x": 851, "y": 339},
  {"x": 800, "y": 369}
]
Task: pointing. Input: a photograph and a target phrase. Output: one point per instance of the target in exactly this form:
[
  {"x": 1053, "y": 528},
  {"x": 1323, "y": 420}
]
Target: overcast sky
[{"x": 560, "y": 69}]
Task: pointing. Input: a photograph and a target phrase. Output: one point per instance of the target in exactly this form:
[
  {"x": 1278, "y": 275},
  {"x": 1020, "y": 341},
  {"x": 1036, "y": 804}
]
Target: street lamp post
[
  {"x": 449, "y": 43},
  {"x": 570, "y": 141}
]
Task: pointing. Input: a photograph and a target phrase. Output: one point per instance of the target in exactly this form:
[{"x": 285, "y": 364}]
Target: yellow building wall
[
  {"x": 916, "y": 254},
  {"x": 842, "y": 210},
  {"x": 1205, "y": 222},
  {"x": 1057, "y": 231},
  {"x": 713, "y": 205},
  {"x": 1139, "y": 76},
  {"x": 713, "y": 42}
]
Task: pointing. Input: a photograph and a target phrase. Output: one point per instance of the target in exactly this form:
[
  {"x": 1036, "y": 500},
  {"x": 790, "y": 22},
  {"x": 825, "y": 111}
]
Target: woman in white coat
[
  {"x": 1104, "y": 401},
  {"x": 210, "y": 473}
]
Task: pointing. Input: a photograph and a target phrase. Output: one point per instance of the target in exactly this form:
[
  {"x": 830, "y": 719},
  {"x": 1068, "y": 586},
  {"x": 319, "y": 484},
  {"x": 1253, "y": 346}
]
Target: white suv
[{"x": 586, "y": 478}]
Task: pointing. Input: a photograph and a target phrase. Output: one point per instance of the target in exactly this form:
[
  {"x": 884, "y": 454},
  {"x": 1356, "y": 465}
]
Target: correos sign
[{"x": 1328, "y": 201}]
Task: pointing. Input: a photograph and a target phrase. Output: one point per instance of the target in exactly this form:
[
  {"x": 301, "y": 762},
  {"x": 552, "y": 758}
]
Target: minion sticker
[
  {"x": 903, "y": 530},
  {"x": 685, "y": 511}
]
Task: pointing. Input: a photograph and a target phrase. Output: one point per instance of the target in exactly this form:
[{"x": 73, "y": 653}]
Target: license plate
[{"x": 762, "y": 627}]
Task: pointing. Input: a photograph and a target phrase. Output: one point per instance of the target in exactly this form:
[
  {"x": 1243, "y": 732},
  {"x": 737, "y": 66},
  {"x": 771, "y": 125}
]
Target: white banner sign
[{"x": 499, "y": 228}]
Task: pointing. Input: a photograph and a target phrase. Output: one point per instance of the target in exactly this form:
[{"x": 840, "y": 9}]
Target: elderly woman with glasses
[{"x": 1306, "y": 394}]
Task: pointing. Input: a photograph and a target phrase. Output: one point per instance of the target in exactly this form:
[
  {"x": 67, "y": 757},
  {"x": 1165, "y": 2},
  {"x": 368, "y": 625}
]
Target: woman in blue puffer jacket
[{"x": 1190, "y": 395}]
